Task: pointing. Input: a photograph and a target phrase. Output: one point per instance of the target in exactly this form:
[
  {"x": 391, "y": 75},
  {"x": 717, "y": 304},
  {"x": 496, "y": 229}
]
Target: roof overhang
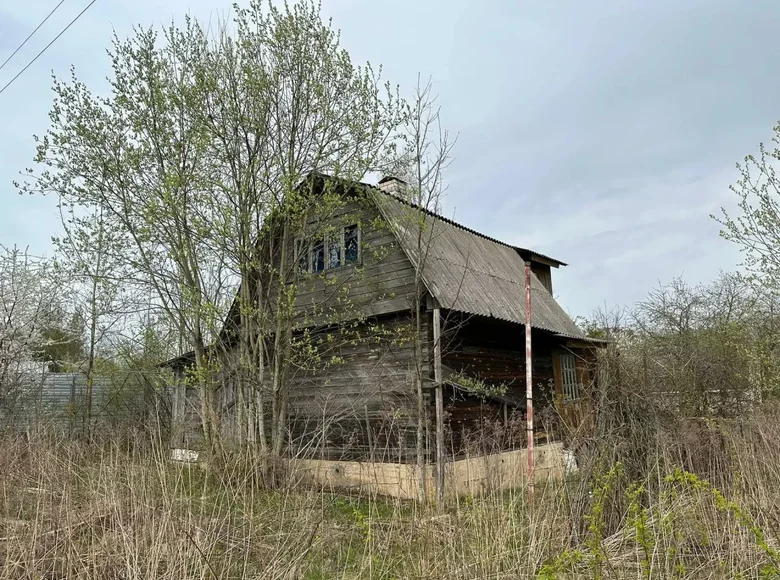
[
  {"x": 183, "y": 360},
  {"x": 531, "y": 256},
  {"x": 584, "y": 341}
]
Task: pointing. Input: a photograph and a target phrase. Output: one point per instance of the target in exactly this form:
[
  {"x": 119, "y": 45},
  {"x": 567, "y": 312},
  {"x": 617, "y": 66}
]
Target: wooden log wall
[{"x": 359, "y": 400}]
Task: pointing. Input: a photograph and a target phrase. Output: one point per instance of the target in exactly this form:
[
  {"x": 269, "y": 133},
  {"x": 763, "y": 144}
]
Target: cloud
[
  {"x": 616, "y": 137},
  {"x": 600, "y": 133}
]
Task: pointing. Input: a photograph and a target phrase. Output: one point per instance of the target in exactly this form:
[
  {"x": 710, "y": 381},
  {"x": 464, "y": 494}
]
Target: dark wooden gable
[{"x": 381, "y": 281}]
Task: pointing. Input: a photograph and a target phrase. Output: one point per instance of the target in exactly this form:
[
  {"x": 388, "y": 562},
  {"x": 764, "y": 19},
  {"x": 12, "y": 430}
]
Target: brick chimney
[{"x": 392, "y": 185}]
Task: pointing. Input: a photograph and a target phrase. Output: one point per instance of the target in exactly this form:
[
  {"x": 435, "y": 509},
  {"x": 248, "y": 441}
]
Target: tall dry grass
[
  {"x": 657, "y": 495},
  {"x": 705, "y": 505}
]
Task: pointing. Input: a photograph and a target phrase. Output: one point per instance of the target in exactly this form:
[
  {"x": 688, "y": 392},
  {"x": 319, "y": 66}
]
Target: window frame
[
  {"x": 301, "y": 243},
  {"x": 359, "y": 258},
  {"x": 570, "y": 381}
]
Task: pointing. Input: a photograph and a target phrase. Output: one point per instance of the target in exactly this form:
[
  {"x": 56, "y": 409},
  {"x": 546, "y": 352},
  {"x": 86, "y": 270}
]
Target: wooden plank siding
[
  {"x": 364, "y": 405},
  {"x": 575, "y": 414},
  {"x": 359, "y": 400},
  {"x": 494, "y": 351},
  {"x": 381, "y": 282},
  {"x": 543, "y": 272}
]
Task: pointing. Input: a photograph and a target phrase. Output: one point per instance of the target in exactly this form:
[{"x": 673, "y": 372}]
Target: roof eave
[{"x": 532, "y": 256}]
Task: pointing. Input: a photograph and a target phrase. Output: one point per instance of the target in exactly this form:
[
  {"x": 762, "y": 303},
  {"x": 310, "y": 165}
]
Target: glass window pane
[
  {"x": 350, "y": 244},
  {"x": 318, "y": 256},
  {"x": 334, "y": 250}
]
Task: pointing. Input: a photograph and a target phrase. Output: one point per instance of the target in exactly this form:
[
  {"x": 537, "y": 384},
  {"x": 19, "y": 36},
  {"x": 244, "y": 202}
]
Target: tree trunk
[
  {"x": 91, "y": 359},
  {"x": 281, "y": 341},
  {"x": 421, "y": 415},
  {"x": 206, "y": 399}
]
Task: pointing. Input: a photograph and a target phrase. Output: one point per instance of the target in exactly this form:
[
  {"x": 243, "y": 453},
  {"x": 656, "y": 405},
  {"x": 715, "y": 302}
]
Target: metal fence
[{"x": 59, "y": 400}]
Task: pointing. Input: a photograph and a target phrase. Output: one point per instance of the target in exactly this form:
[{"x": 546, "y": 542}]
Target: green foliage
[
  {"x": 592, "y": 553},
  {"x": 639, "y": 520},
  {"x": 194, "y": 165},
  {"x": 754, "y": 228},
  {"x": 478, "y": 386},
  {"x": 691, "y": 482},
  {"x": 602, "y": 489}
]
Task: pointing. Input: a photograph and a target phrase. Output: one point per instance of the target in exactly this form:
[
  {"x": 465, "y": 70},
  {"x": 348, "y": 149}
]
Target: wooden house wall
[
  {"x": 576, "y": 414},
  {"x": 544, "y": 273},
  {"x": 494, "y": 352},
  {"x": 363, "y": 406},
  {"x": 381, "y": 282},
  {"x": 359, "y": 401}
]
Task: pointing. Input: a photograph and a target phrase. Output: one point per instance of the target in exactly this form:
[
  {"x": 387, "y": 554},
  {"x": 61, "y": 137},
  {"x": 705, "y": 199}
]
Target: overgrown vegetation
[
  {"x": 190, "y": 177},
  {"x": 705, "y": 505}
]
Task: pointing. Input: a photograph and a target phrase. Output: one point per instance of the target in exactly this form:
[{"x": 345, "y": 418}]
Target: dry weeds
[{"x": 120, "y": 509}]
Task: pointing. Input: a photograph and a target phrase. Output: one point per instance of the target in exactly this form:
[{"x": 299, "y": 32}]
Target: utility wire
[
  {"x": 30, "y": 36},
  {"x": 29, "y": 64}
]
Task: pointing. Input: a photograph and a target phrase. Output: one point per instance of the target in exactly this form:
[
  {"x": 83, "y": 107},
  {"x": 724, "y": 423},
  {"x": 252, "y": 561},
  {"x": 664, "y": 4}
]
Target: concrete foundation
[{"x": 471, "y": 476}]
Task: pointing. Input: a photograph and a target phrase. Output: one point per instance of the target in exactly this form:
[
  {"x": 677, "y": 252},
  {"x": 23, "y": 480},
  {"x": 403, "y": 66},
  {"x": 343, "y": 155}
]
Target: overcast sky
[{"x": 602, "y": 133}]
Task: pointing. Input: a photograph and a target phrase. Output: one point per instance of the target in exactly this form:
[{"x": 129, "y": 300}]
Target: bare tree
[
  {"x": 423, "y": 159},
  {"x": 92, "y": 255}
]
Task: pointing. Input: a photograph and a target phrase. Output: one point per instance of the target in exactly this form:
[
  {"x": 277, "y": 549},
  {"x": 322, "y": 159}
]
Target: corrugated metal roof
[
  {"x": 556, "y": 262},
  {"x": 472, "y": 273}
]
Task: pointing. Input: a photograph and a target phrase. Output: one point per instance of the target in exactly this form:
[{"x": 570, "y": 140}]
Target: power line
[
  {"x": 29, "y": 64},
  {"x": 30, "y": 35}
]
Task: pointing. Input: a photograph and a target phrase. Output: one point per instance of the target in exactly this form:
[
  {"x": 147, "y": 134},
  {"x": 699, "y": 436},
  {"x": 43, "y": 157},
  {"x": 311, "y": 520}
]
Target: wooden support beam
[{"x": 439, "y": 405}]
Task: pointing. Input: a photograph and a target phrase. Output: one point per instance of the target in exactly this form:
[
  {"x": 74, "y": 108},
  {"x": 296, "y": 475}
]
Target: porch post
[
  {"x": 439, "y": 405},
  {"x": 529, "y": 388}
]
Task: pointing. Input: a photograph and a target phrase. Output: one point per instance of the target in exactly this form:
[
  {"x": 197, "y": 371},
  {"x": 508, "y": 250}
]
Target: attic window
[
  {"x": 571, "y": 386},
  {"x": 339, "y": 248}
]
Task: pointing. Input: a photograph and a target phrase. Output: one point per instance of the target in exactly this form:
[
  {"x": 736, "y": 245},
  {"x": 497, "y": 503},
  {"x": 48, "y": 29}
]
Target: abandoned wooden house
[{"x": 384, "y": 286}]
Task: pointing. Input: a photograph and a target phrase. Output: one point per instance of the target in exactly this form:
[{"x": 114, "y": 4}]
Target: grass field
[{"x": 703, "y": 503}]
